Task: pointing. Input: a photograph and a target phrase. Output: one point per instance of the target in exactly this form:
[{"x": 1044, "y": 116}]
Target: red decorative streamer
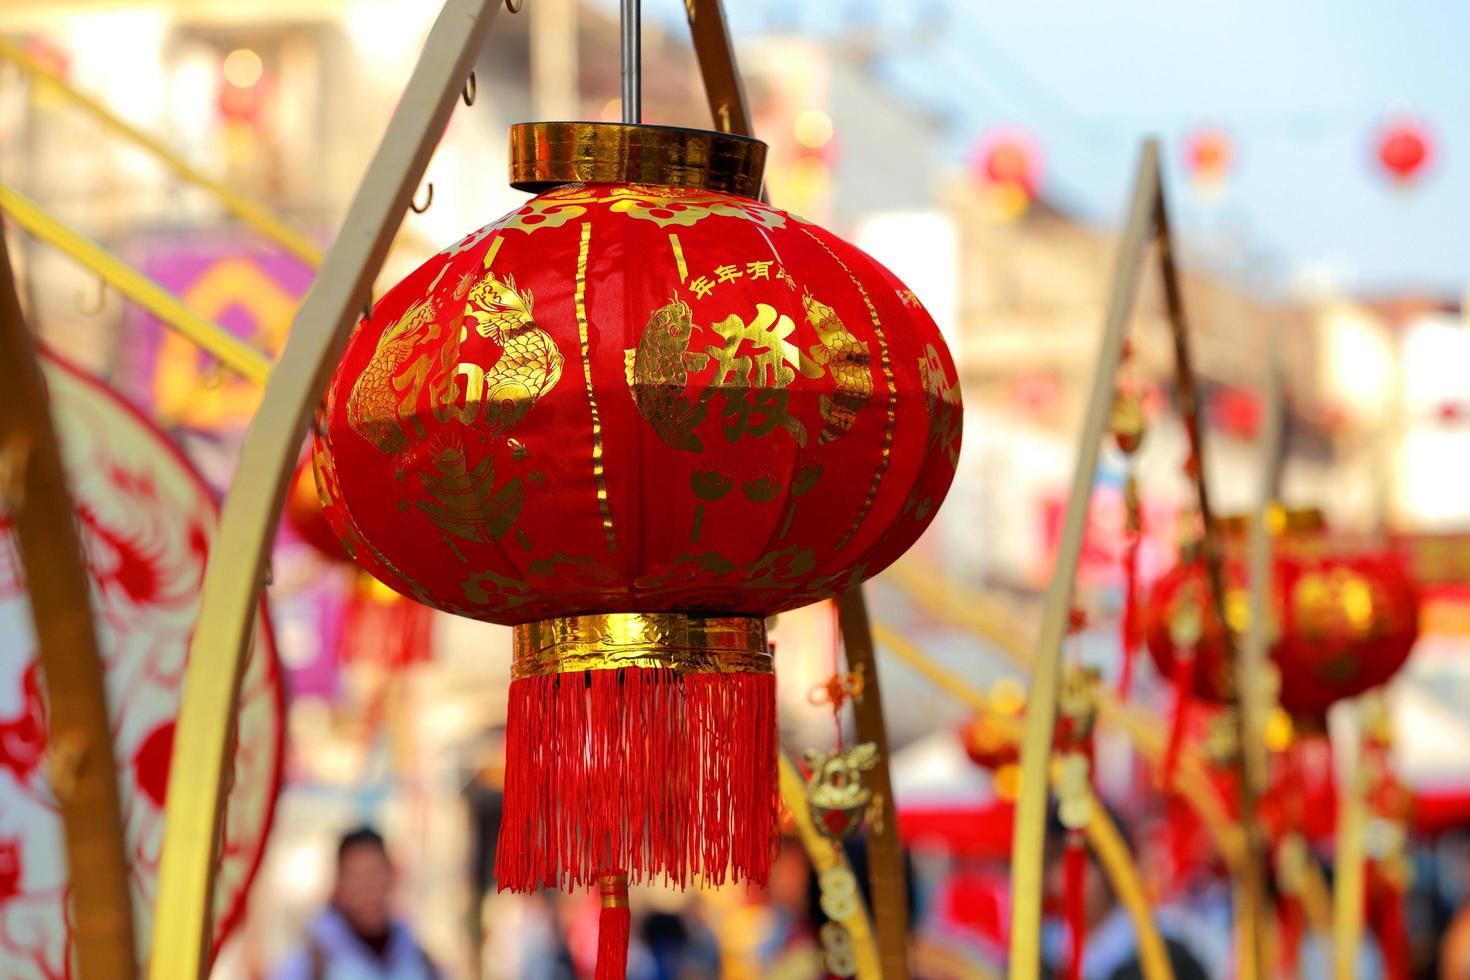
[
  {"x": 1289, "y": 914},
  {"x": 1130, "y": 630},
  {"x": 1183, "y": 694},
  {"x": 645, "y": 769},
  {"x": 1074, "y": 900},
  {"x": 1386, "y": 907}
]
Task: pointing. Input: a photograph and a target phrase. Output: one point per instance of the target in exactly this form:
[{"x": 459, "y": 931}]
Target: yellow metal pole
[
  {"x": 1041, "y": 704},
  {"x": 233, "y": 577},
  {"x": 825, "y": 856},
  {"x": 232, "y": 352},
  {"x": 250, "y": 212},
  {"x": 1103, "y": 838},
  {"x": 80, "y": 759}
]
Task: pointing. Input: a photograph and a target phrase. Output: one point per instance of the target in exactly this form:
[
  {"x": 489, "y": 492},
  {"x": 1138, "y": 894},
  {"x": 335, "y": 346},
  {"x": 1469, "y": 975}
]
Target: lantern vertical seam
[
  {"x": 883, "y": 358},
  {"x": 598, "y": 472}
]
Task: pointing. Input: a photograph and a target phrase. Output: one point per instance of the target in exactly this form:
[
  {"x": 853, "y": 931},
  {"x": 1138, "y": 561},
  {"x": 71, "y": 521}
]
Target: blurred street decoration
[
  {"x": 1009, "y": 167},
  {"x": 496, "y": 432},
  {"x": 1404, "y": 148},
  {"x": 1345, "y": 617},
  {"x": 835, "y": 790},
  {"x": 251, "y": 292},
  {"x": 1128, "y": 425},
  {"x": 1209, "y": 158},
  {"x": 147, "y": 522}
]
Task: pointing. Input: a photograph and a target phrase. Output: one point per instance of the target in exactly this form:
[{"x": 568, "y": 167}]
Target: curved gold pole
[
  {"x": 1103, "y": 838},
  {"x": 232, "y": 581},
  {"x": 250, "y": 212},
  {"x": 231, "y": 351},
  {"x": 825, "y": 855},
  {"x": 82, "y": 773}
]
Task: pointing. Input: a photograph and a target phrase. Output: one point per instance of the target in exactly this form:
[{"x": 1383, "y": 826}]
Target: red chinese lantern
[
  {"x": 632, "y": 419},
  {"x": 1403, "y": 150},
  {"x": 1345, "y": 619}
]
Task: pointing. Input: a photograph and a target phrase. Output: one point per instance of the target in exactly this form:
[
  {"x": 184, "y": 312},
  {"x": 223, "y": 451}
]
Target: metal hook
[
  {"x": 418, "y": 208},
  {"x": 96, "y": 307},
  {"x": 514, "y": 6},
  {"x": 469, "y": 89}
]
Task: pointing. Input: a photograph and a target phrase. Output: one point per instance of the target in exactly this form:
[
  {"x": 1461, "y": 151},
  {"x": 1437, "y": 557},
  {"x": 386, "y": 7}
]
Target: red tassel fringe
[
  {"x": 643, "y": 769},
  {"x": 1074, "y": 901},
  {"x": 1129, "y": 630}
]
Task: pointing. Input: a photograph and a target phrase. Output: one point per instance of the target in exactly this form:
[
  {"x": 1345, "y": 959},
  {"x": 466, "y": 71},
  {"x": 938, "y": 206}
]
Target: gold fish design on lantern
[
  {"x": 378, "y": 398},
  {"x": 467, "y": 504},
  {"x": 849, "y": 361},
  {"x": 835, "y": 789},
  {"x": 658, "y": 373},
  {"x": 530, "y": 363}
]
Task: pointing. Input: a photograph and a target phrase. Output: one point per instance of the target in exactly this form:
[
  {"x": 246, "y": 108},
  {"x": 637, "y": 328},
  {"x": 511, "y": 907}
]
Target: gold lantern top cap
[{"x": 544, "y": 155}]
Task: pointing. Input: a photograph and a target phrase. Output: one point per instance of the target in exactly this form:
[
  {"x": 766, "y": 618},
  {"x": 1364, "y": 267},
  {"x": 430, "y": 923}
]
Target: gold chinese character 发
[
  {"x": 702, "y": 286},
  {"x": 785, "y": 277},
  {"x": 759, "y": 270},
  {"x": 728, "y": 273}
]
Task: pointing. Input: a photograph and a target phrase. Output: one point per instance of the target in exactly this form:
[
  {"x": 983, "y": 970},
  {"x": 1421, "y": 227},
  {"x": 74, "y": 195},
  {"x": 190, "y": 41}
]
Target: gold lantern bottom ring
[{"x": 679, "y": 642}]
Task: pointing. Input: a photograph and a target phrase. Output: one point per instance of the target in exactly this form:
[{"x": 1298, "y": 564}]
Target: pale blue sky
[{"x": 1300, "y": 84}]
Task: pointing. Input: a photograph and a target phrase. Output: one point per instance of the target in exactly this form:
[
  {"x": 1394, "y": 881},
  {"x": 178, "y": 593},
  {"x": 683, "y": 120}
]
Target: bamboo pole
[
  {"x": 888, "y": 884},
  {"x": 1041, "y": 705},
  {"x": 233, "y": 577},
  {"x": 82, "y": 770},
  {"x": 1348, "y": 869},
  {"x": 230, "y": 350}
]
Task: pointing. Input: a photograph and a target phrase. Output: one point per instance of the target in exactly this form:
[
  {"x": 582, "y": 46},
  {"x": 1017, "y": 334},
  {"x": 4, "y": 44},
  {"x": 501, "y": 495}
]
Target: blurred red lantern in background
[
  {"x": 1209, "y": 156},
  {"x": 305, "y": 517},
  {"x": 1345, "y": 618},
  {"x": 1008, "y": 166},
  {"x": 1404, "y": 150},
  {"x": 990, "y": 744},
  {"x": 633, "y": 420}
]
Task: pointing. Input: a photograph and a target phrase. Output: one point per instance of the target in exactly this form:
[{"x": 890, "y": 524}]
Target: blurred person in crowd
[
  {"x": 1454, "y": 946},
  {"x": 355, "y": 936},
  {"x": 1110, "y": 950},
  {"x": 680, "y": 945}
]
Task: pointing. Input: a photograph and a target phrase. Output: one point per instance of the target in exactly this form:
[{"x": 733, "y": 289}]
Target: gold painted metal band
[
  {"x": 613, "y": 889},
  {"x": 672, "y": 641},
  {"x": 544, "y": 155}
]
